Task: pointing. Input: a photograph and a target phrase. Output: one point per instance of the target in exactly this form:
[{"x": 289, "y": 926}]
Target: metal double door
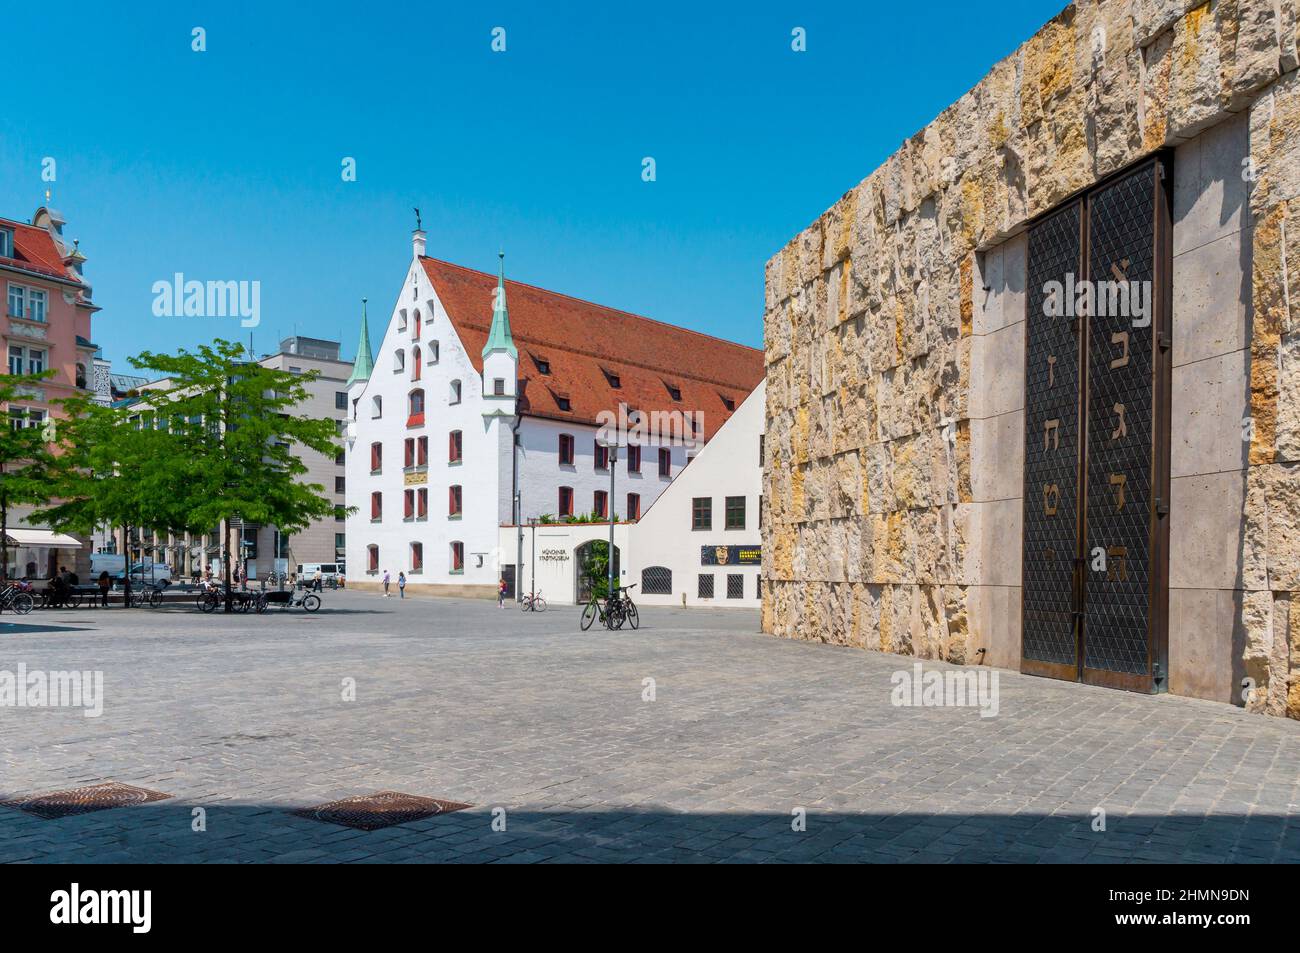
[{"x": 1097, "y": 383}]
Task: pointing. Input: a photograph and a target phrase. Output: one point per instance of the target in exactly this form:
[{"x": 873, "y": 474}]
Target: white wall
[
  {"x": 555, "y": 561},
  {"x": 728, "y": 465}
]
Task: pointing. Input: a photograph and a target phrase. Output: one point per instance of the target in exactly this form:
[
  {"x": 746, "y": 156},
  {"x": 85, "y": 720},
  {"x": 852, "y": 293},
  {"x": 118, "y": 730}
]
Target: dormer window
[
  {"x": 611, "y": 378},
  {"x": 542, "y": 364},
  {"x": 727, "y": 402},
  {"x": 6, "y": 243},
  {"x": 674, "y": 391}
]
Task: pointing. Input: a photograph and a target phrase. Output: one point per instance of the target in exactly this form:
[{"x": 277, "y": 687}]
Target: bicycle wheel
[
  {"x": 155, "y": 598},
  {"x": 74, "y": 600},
  {"x": 22, "y": 603},
  {"x": 632, "y": 617},
  {"x": 539, "y": 604},
  {"x": 261, "y": 604},
  {"x": 588, "y": 616},
  {"x": 525, "y": 604},
  {"x": 311, "y": 602},
  {"x": 207, "y": 602}
]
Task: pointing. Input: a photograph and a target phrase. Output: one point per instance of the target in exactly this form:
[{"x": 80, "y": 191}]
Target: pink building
[{"x": 47, "y": 310}]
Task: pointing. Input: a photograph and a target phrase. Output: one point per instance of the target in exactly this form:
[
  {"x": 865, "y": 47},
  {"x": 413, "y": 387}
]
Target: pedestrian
[
  {"x": 401, "y": 585},
  {"x": 385, "y": 583},
  {"x": 319, "y": 582},
  {"x": 501, "y": 594},
  {"x": 104, "y": 585}
]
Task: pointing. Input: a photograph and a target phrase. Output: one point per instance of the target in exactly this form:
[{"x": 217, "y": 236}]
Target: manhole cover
[
  {"x": 97, "y": 797},
  {"x": 369, "y": 812}
]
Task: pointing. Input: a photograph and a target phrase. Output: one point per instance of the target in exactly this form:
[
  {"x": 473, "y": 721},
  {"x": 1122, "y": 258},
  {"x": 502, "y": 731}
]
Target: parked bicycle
[
  {"x": 288, "y": 599},
  {"x": 150, "y": 596},
  {"x": 533, "y": 602},
  {"x": 611, "y": 612},
  {"x": 16, "y": 599}
]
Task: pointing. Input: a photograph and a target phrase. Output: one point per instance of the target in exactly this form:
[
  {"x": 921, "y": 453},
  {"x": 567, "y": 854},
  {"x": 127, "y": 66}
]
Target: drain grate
[
  {"x": 370, "y": 812},
  {"x": 97, "y": 797}
]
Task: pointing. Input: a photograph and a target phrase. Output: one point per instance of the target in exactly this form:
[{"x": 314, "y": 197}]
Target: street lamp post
[{"x": 609, "y": 511}]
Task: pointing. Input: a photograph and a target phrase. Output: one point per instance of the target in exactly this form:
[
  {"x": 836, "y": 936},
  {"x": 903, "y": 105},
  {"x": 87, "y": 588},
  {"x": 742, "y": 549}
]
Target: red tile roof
[
  {"x": 581, "y": 341},
  {"x": 35, "y": 251}
]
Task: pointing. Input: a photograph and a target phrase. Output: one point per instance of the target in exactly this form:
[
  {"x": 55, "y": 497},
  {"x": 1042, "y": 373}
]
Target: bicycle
[
  {"x": 612, "y": 612},
  {"x": 146, "y": 595},
  {"x": 628, "y": 606},
  {"x": 21, "y": 602},
  {"x": 533, "y": 602}
]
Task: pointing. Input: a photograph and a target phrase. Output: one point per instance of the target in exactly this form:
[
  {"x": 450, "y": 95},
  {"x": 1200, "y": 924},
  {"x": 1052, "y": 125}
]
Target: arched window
[
  {"x": 453, "y": 447},
  {"x": 376, "y": 407},
  {"x": 399, "y": 361},
  {"x": 372, "y": 558},
  {"x": 415, "y": 408},
  {"x": 455, "y": 392},
  {"x": 415, "y": 363},
  {"x": 657, "y": 581},
  {"x": 81, "y": 376},
  {"x": 457, "y": 556},
  {"x": 415, "y": 327},
  {"x": 417, "y": 557}
]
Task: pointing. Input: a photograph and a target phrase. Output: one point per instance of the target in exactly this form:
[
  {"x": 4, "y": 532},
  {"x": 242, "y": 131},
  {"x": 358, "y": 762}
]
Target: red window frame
[
  {"x": 408, "y": 504},
  {"x": 566, "y": 501},
  {"x": 377, "y": 505},
  {"x": 665, "y": 462},
  {"x": 422, "y": 452},
  {"x": 409, "y": 449},
  {"x": 376, "y": 457},
  {"x": 454, "y": 447},
  {"x": 634, "y": 458},
  {"x": 372, "y": 558},
  {"x": 417, "y": 557},
  {"x": 634, "y": 506},
  {"x": 422, "y": 503},
  {"x": 454, "y": 500},
  {"x": 566, "y": 449},
  {"x": 601, "y": 455},
  {"x": 457, "y": 556},
  {"x": 600, "y": 503}
]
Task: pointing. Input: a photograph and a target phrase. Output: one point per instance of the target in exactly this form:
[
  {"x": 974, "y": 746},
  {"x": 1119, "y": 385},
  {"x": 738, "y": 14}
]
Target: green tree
[
  {"x": 116, "y": 468},
  {"x": 25, "y": 456},
  {"x": 233, "y": 419}
]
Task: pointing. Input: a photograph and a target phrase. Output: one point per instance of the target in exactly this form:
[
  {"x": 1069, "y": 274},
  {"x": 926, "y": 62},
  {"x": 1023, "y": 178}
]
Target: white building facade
[{"x": 481, "y": 408}]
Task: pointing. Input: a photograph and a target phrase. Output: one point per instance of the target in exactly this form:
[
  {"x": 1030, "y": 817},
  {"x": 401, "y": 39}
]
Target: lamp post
[{"x": 611, "y": 593}]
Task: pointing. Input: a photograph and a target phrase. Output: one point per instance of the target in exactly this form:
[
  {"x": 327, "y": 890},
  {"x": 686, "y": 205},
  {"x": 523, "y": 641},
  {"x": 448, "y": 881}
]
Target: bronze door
[{"x": 1097, "y": 436}]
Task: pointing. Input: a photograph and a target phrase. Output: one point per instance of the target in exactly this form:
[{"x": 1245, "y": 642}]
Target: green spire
[
  {"x": 499, "y": 338},
  {"x": 365, "y": 362}
]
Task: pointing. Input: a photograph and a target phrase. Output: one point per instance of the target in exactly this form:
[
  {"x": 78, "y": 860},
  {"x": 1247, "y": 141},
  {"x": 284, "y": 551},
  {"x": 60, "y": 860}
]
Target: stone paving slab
[{"x": 246, "y": 718}]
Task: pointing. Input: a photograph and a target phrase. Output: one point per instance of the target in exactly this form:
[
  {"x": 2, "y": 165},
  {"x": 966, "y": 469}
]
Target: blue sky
[{"x": 225, "y": 165}]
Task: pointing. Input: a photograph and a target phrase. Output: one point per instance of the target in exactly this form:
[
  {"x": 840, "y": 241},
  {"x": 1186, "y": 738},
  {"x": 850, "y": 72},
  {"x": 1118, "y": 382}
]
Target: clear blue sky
[{"x": 226, "y": 164}]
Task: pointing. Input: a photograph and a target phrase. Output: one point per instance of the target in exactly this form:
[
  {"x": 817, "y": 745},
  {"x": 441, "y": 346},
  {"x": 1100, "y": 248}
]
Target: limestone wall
[{"x": 895, "y": 348}]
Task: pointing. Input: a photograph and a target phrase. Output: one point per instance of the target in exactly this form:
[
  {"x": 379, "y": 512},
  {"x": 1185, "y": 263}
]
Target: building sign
[
  {"x": 553, "y": 556},
  {"x": 413, "y": 478},
  {"x": 731, "y": 555}
]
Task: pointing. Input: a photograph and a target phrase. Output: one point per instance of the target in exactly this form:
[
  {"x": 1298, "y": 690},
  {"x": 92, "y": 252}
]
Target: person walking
[
  {"x": 104, "y": 585},
  {"x": 401, "y": 585},
  {"x": 501, "y": 593},
  {"x": 385, "y": 583},
  {"x": 318, "y": 583}
]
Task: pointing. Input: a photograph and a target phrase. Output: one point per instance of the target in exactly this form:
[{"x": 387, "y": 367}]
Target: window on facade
[
  {"x": 340, "y": 484},
  {"x": 566, "y": 449},
  {"x": 417, "y": 557},
  {"x": 704, "y": 588},
  {"x": 600, "y": 504},
  {"x": 27, "y": 303},
  {"x": 422, "y": 452},
  {"x": 433, "y": 352},
  {"x": 735, "y": 512},
  {"x": 340, "y": 400},
  {"x": 422, "y": 503},
  {"x": 341, "y": 458},
  {"x": 563, "y": 403},
  {"x": 340, "y": 542},
  {"x": 453, "y": 447},
  {"x": 376, "y": 506},
  {"x": 674, "y": 391},
  {"x": 611, "y": 378},
  {"x": 702, "y": 512},
  {"x": 601, "y": 454},
  {"x": 81, "y": 376},
  {"x": 415, "y": 327},
  {"x": 735, "y": 585},
  {"x": 760, "y": 512},
  {"x": 408, "y": 449},
  {"x": 17, "y": 358},
  {"x": 453, "y": 500},
  {"x": 376, "y": 457},
  {"x": 6, "y": 243},
  {"x": 399, "y": 361},
  {"x": 455, "y": 392},
  {"x": 634, "y": 458},
  {"x": 657, "y": 581},
  {"x": 415, "y": 363},
  {"x": 415, "y": 407},
  {"x": 634, "y": 506},
  {"x": 376, "y": 407},
  {"x": 499, "y": 386},
  {"x": 761, "y": 440},
  {"x": 457, "y": 556},
  {"x": 340, "y": 513},
  {"x": 665, "y": 462},
  {"x": 372, "y": 558},
  {"x": 408, "y": 504},
  {"x": 566, "y": 501}
]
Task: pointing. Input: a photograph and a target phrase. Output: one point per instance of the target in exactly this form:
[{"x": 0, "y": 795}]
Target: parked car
[
  {"x": 147, "y": 572},
  {"x": 329, "y": 573}
]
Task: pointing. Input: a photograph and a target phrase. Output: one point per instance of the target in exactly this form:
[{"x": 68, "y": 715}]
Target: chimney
[{"x": 417, "y": 242}]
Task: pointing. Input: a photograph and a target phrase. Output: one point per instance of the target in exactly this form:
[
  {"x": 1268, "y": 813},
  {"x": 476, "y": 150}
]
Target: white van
[
  {"x": 329, "y": 573},
  {"x": 147, "y": 572}
]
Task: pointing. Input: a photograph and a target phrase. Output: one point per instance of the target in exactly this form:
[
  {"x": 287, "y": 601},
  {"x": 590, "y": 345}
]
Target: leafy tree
[
  {"x": 25, "y": 456},
  {"x": 116, "y": 468},
  {"x": 233, "y": 420}
]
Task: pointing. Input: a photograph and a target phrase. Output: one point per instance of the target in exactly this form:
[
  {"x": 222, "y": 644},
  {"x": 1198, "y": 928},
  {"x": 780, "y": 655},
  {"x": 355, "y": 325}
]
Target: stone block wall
[{"x": 894, "y": 333}]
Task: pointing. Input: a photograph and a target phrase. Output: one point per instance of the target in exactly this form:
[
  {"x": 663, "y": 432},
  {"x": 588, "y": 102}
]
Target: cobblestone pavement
[{"x": 245, "y": 717}]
